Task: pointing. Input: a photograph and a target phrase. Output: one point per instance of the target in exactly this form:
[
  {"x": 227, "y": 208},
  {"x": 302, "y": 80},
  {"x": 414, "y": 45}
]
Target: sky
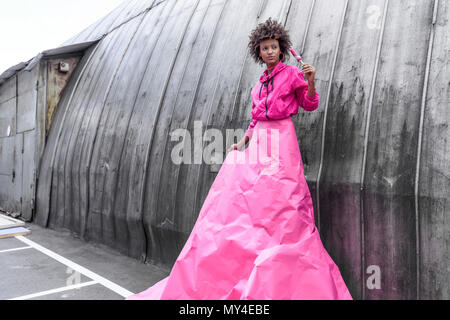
[{"x": 28, "y": 27}]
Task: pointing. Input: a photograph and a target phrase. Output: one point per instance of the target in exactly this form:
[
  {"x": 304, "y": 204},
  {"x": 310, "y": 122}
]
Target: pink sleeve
[
  {"x": 301, "y": 90},
  {"x": 249, "y": 132}
]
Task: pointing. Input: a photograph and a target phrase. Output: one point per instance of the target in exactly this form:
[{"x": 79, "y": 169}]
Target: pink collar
[{"x": 280, "y": 66}]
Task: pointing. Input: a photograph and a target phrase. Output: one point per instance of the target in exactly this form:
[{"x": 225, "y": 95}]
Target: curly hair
[{"x": 270, "y": 29}]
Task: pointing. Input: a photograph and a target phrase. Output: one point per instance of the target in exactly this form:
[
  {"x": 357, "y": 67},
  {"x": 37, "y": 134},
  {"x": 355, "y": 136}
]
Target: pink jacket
[{"x": 278, "y": 95}]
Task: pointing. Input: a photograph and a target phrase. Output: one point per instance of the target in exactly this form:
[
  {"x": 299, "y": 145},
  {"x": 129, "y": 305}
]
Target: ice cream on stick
[
  {"x": 299, "y": 59},
  {"x": 297, "y": 56}
]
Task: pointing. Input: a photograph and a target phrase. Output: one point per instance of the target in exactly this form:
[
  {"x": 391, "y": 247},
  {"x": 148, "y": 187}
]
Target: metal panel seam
[
  {"x": 177, "y": 94},
  {"x": 158, "y": 109},
  {"x": 308, "y": 23},
  {"x": 196, "y": 87},
  {"x": 17, "y": 101},
  {"x": 107, "y": 91},
  {"x": 330, "y": 83},
  {"x": 287, "y": 14},
  {"x": 99, "y": 23},
  {"x": 144, "y": 12},
  {"x": 45, "y": 111},
  {"x": 209, "y": 115},
  {"x": 419, "y": 145},
  {"x": 133, "y": 106},
  {"x": 366, "y": 142}
]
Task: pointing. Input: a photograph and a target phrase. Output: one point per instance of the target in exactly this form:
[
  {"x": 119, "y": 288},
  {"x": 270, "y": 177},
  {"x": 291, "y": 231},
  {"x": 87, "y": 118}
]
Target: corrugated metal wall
[{"x": 375, "y": 152}]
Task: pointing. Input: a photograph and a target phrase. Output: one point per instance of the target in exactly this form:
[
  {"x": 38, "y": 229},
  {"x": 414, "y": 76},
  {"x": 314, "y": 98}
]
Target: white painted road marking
[
  {"x": 44, "y": 293},
  {"x": 15, "y": 249},
  {"x": 105, "y": 282}
]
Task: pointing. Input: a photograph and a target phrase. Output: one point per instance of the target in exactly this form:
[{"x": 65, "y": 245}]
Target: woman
[
  {"x": 255, "y": 236},
  {"x": 272, "y": 51}
]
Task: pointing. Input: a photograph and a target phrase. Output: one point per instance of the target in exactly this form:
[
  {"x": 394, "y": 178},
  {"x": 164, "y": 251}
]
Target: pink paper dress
[{"x": 255, "y": 237}]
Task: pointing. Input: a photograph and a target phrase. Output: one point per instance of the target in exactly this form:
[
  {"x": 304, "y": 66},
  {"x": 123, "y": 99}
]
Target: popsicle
[{"x": 297, "y": 56}]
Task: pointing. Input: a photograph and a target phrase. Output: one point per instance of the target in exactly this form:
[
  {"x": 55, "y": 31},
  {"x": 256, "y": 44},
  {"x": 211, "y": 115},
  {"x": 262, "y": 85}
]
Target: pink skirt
[{"x": 255, "y": 237}]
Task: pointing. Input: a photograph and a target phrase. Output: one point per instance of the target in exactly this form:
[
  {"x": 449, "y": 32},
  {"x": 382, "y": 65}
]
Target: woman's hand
[
  {"x": 309, "y": 72},
  {"x": 236, "y": 146}
]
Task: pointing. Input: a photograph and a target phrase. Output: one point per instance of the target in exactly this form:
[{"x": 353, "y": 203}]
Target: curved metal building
[{"x": 376, "y": 152}]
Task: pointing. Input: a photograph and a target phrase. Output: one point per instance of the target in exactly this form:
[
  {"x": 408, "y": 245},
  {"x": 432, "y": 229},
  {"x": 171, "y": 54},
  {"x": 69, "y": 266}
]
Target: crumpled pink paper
[{"x": 255, "y": 236}]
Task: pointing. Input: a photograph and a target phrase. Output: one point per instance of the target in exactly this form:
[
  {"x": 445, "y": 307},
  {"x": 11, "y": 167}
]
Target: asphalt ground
[{"x": 56, "y": 265}]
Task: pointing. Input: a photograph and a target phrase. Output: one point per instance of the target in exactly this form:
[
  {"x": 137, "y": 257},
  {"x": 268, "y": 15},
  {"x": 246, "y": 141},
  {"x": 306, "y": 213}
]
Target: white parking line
[
  {"x": 44, "y": 293},
  {"x": 15, "y": 249},
  {"x": 105, "y": 282}
]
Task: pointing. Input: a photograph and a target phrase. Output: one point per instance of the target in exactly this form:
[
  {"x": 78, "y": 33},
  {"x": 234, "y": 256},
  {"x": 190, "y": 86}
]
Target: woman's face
[{"x": 269, "y": 51}]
